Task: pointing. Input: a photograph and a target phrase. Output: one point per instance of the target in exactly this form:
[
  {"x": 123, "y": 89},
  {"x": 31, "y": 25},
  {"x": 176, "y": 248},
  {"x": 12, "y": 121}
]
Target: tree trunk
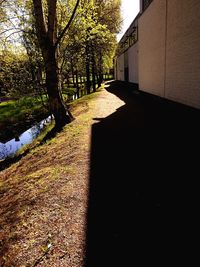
[
  {"x": 88, "y": 83},
  {"x": 77, "y": 85},
  {"x": 93, "y": 73},
  {"x": 57, "y": 106},
  {"x": 99, "y": 79},
  {"x": 72, "y": 69},
  {"x": 48, "y": 41},
  {"x": 100, "y": 69}
]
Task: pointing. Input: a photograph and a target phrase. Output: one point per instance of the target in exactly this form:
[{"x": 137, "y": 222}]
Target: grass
[
  {"x": 38, "y": 140},
  {"x": 15, "y": 110}
]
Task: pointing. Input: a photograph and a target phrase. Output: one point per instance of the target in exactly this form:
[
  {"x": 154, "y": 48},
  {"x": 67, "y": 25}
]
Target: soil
[{"x": 99, "y": 193}]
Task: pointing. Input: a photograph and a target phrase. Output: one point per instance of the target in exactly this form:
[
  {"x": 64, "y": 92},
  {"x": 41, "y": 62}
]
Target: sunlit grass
[{"x": 15, "y": 110}]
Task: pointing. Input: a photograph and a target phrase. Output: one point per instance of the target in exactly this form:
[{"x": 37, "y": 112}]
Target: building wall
[
  {"x": 133, "y": 63},
  {"x": 183, "y": 52},
  {"x": 166, "y": 59},
  {"x": 152, "y": 30},
  {"x": 126, "y": 72},
  {"x": 169, "y": 50},
  {"x": 115, "y": 68},
  {"x": 120, "y": 67}
]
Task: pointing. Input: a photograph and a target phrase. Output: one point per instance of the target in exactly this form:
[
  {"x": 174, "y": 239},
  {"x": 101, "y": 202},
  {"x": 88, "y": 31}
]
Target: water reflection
[{"x": 10, "y": 148}]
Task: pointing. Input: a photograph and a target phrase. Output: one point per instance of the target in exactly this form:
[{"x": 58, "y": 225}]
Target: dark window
[
  {"x": 128, "y": 41},
  {"x": 145, "y": 4},
  {"x": 133, "y": 37}
]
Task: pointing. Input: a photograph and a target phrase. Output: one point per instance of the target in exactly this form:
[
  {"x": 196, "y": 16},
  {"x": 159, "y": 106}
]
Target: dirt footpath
[{"x": 106, "y": 191}]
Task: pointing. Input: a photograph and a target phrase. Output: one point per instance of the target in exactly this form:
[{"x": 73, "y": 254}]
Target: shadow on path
[{"x": 142, "y": 168}]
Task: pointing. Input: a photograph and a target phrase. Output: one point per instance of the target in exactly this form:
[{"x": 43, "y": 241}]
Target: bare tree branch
[
  {"x": 7, "y": 37},
  {"x": 68, "y": 24},
  {"x": 11, "y": 29},
  {"x": 7, "y": 19}
]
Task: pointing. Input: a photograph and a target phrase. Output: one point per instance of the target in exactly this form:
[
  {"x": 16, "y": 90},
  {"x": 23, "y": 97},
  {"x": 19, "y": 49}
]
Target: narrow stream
[{"x": 11, "y": 147}]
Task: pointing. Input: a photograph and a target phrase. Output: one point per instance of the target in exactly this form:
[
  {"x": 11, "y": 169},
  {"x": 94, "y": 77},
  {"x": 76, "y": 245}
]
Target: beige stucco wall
[
  {"x": 115, "y": 68},
  {"x": 133, "y": 63},
  {"x": 152, "y": 30},
  {"x": 120, "y": 68},
  {"x": 168, "y": 51},
  {"x": 183, "y": 52}
]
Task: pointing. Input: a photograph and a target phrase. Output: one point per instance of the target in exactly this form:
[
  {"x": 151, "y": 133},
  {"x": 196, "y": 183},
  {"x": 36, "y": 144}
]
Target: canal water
[{"x": 10, "y": 148}]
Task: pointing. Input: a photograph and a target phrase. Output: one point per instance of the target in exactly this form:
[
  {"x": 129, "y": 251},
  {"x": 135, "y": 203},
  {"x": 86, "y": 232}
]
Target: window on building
[
  {"x": 128, "y": 40},
  {"x": 133, "y": 37}
]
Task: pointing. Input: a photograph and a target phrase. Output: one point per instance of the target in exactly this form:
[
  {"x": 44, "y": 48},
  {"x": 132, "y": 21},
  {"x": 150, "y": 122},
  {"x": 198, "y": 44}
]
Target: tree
[
  {"x": 102, "y": 23},
  {"x": 15, "y": 74},
  {"x": 49, "y": 40},
  {"x": 57, "y": 52},
  {"x": 93, "y": 39}
]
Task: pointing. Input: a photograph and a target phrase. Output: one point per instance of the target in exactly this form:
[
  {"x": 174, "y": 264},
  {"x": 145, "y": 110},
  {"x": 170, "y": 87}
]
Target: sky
[{"x": 130, "y": 9}]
